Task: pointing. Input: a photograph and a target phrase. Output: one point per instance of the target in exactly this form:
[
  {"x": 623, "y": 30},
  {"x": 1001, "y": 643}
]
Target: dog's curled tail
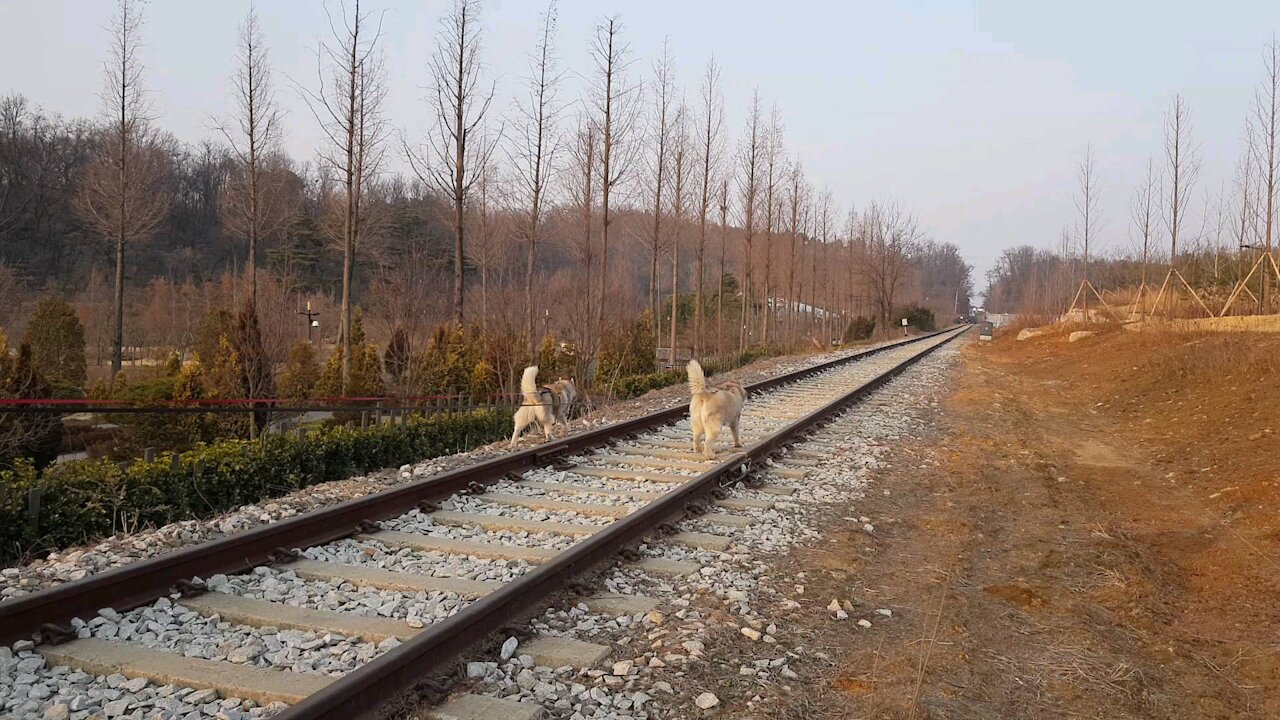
[
  {"x": 697, "y": 380},
  {"x": 529, "y": 383}
]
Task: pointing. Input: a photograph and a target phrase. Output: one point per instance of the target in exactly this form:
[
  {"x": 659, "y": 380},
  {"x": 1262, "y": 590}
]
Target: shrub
[
  {"x": 627, "y": 351},
  {"x": 56, "y": 338},
  {"x": 22, "y": 436},
  {"x": 556, "y": 359},
  {"x": 84, "y": 500},
  {"x": 860, "y": 328},
  {"x": 451, "y": 364},
  {"x": 215, "y": 325},
  {"x": 301, "y": 372},
  {"x": 631, "y": 386},
  {"x": 365, "y": 376},
  {"x": 919, "y": 317},
  {"x": 635, "y": 385}
]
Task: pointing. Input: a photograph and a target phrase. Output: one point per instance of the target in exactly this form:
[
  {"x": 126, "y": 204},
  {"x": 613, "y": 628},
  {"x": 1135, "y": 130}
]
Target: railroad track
[{"x": 336, "y": 613}]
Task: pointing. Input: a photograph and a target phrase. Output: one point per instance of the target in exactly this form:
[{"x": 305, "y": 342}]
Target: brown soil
[{"x": 1098, "y": 538}]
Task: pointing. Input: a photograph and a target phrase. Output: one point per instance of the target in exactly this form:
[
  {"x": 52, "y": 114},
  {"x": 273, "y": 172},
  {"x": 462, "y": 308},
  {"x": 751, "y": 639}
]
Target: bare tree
[
  {"x": 456, "y": 146},
  {"x": 891, "y": 235},
  {"x": 1267, "y": 121},
  {"x": 1248, "y": 186},
  {"x": 535, "y": 146},
  {"x": 825, "y": 222},
  {"x": 724, "y": 241},
  {"x": 1144, "y": 211},
  {"x": 122, "y": 196},
  {"x": 856, "y": 243},
  {"x": 680, "y": 178},
  {"x": 1182, "y": 168},
  {"x": 660, "y": 131},
  {"x": 583, "y": 153},
  {"x": 485, "y": 248},
  {"x": 17, "y": 123},
  {"x": 750, "y": 155},
  {"x": 1086, "y": 201},
  {"x": 709, "y": 145},
  {"x": 347, "y": 104},
  {"x": 797, "y": 198},
  {"x": 251, "y": 203},
  {"x": 613, "y": 101},
  {"x": 773, "y": 161}
]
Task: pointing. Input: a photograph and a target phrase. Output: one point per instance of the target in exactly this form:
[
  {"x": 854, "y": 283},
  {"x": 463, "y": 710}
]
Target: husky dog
[
  {"x": 711, "y": 408},
  {"x": 545, "y": 405},
  {"x": 564, "y": 395}
]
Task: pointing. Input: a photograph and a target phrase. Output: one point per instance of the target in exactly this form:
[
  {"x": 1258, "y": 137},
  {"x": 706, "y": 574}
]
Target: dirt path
[{"x": 1040, "y": 564}]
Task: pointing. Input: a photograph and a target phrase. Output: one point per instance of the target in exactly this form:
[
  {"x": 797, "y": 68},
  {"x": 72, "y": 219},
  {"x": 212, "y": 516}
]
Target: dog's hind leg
[
  {"x": 696, "y": 423},
  {"x": 737, "y": 442},
  {"x": 520, "y": 424},
  {"x": 709, "y": 433}
]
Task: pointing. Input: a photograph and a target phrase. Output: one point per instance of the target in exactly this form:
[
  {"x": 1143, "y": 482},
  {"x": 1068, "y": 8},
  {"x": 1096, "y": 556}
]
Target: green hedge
[
  {"x": 630, "y": 386},
  {"x": 84, "y": 500}
]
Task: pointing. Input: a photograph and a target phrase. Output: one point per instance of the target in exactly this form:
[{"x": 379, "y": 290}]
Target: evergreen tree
[
  {"x": 56, "y": 339},
  {"x": 301, "y": 372}
]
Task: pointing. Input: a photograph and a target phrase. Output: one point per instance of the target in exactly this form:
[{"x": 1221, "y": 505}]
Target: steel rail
[
  {"x": 144, "y": 581},
  {"x": 364, "y": 690}
]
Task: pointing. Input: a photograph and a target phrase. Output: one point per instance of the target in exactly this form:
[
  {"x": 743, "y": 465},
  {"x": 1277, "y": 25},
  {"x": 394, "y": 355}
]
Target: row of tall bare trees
[
  {"x": 630, "y": 161},
  {"x": 1162, "y": 200}
]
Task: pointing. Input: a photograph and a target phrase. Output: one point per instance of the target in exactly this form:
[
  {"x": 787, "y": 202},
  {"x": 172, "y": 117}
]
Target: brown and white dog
[
  {"x": 545, "y": 405},
  {"x": 711, "y": 408}
]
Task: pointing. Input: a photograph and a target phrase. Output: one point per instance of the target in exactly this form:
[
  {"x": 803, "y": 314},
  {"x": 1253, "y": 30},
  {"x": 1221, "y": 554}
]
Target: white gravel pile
[
  {"x": 587, "y": 481},
  {"x": 416, "y": 522},
  {"x": 176, "y": 629},
  {"x": 31, "y": 689},
  {"x": 619, "y": 501},
  {"x": 478, "y": 505},
  {"x": 434, "y": 564},
  {"x": 284, "y": 586}
]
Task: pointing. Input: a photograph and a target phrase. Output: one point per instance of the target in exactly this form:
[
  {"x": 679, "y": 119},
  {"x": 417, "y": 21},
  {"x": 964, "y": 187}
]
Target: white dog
[
  {"x": 544, "y": 405},
  {"x": 711, "y": 408}
]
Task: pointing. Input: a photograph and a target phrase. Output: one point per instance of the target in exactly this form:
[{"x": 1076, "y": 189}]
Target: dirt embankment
[{"x": 1093, "y": 533}]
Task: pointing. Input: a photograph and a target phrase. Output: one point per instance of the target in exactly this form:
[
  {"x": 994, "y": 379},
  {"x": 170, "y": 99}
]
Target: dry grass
[{"x": 1194, "y": 357}]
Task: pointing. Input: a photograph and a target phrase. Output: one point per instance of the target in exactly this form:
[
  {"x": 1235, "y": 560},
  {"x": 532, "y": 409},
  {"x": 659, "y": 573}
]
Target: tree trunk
[
  {"x": 117, "y": 340},
  {"x": 530, "y": 262},
  {"x": 459, "y": 218},
  {"x": 698, "y": 280},
  {"x": 675, "y": 292}
]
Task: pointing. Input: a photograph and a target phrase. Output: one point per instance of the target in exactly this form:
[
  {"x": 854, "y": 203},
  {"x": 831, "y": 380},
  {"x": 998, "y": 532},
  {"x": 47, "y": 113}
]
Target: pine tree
[
  {"x": 301, "y": 372},
  {"x": 56, "y": 340}
]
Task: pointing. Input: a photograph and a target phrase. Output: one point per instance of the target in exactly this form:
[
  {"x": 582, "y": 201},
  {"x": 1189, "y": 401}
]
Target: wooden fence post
[{"x": 33, "y": 510}]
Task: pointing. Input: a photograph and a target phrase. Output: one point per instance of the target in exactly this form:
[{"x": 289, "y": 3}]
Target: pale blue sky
[{"x": 971, "y": 112}]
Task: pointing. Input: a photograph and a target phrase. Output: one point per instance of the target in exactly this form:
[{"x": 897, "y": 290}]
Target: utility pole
[{"x": 311, "y": 319}]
